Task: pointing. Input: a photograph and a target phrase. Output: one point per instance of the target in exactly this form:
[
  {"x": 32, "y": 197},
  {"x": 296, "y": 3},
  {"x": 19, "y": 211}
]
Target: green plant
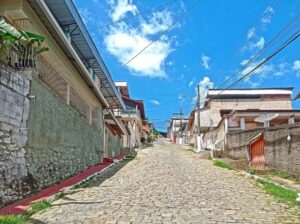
[
  {"x": 209, "y": 158},
  {"x": 222, "y": 164},
  {"x": 59, "y": 195},
  {"x": 129, "y": 158},
  {"x": 10, "y": 219},
  {"x": 251, "y": 170},
  {"x": 283, "y": 174},
  {"x": 17, "y": 47},
  {"x": 283, "y": 194},
  {"x": 36, "y": 207}
]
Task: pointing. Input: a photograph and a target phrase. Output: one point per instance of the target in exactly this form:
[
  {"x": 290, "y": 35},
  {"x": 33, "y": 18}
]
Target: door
[{"x": 257, "y": 153}]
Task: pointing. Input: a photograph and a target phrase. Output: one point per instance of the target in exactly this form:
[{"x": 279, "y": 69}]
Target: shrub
[
  {"x": 10, "y": 219},
  {"x": 222, "y": 164}
]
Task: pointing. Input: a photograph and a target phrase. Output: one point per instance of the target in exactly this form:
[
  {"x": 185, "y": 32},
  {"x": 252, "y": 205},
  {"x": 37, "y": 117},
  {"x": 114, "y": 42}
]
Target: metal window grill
[
  {"x": 78, "y": 104},
  {"x": 96, "y": 117},
  {"x": 47, "y": 74}
]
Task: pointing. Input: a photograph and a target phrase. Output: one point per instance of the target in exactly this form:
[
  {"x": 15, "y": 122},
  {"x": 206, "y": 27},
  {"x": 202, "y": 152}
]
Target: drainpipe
[{"x": 105, "y": 111}]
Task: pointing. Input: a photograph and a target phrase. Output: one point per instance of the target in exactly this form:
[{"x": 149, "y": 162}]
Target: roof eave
[{"x": 84, "y": 72}]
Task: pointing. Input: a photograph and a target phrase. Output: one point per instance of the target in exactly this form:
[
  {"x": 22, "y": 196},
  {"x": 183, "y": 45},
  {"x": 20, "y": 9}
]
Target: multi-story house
[
  {"x": 133, "y": 116},
  {"x": 53, "y": 113},
  {"x": 220, "y": 102}
]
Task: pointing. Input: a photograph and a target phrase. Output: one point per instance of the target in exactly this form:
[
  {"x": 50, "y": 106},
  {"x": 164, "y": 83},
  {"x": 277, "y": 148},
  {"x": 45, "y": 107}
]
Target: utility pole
[
  {"x": 180, "y": 136},
  {"x": 199, "y": 128}
]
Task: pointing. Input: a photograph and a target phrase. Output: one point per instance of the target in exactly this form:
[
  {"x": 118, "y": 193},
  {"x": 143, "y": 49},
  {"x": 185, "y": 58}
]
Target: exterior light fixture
[
  {"x": 289, "y": 138},
  {"x": 31, "y": 97}
]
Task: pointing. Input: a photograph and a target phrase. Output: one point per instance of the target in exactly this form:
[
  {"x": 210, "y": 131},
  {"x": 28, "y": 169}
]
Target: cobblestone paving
[{"x": 166, "y": 184}]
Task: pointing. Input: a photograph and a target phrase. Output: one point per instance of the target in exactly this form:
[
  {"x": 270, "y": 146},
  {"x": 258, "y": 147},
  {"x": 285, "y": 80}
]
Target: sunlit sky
[{"x": 208, "y": 45}]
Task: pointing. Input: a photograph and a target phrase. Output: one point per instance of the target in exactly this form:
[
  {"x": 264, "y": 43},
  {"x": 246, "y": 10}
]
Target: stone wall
[
  {"x": 279, "y": 152},
  {"x": 14, "y": 106},
  {"x": 42, "y": 140},
  {"x": 60, "y": 142},
  {"x": 238, "y": 142}
]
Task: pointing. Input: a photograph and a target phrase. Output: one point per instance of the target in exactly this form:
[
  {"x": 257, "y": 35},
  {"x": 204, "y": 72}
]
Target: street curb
[
  {"x": 256, "y": 177},
  {"x": 70, "y": 189}
]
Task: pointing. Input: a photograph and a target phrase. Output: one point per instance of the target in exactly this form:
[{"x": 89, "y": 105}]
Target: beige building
[{"x": 220, "y": 102}]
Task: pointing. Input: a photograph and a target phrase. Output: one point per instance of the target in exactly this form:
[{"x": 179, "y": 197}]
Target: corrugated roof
[{"x": 70, "y": 21}]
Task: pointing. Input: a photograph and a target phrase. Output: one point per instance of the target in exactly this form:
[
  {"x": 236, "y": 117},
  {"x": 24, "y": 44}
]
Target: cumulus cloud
[
  {"x": 267, "y": 71},
  {"x": 124, "y": 41},
  {"x": 155, "y": 102},
  {"x": 159, "y": 21},
  {"x": 120, "y": 8},
  {"x": 205, "y": 61},
  {"x": 204, "y": 84},
  {"x": 258, "y": 45}
]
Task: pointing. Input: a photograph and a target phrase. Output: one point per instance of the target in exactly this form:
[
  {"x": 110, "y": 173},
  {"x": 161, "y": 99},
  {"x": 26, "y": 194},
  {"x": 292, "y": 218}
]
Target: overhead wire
[
  {"x": 136, "y": 15},
  {"x": 279, "y": 35},
  {"x": 163, "y": 32}
]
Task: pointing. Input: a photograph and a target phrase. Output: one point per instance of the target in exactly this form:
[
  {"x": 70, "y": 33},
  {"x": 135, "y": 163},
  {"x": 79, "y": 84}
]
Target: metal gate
[{"x": 257, "y": 153}]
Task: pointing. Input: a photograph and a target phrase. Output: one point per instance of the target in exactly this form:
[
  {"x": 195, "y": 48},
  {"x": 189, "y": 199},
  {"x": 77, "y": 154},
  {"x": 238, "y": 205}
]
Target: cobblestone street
[{"x": 166, "y": 184}]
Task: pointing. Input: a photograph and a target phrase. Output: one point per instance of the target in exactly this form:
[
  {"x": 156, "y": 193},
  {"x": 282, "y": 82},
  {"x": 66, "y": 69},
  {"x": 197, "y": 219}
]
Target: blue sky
[{"x": 207, "y": 46}]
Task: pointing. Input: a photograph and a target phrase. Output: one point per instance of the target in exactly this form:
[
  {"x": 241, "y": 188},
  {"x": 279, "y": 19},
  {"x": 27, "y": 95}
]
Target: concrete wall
[
  {"x": 279, "y": 153},
  {"x": 60, "y": 142},
  {"x": 114, "y": 145},
  {"x": 14, "y": 106},
  {"x": 213, "y": 114}
]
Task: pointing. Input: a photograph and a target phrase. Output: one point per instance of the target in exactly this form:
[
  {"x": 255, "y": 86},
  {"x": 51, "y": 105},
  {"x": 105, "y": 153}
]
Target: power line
[
  {"x": 287, "y": 43},
  {"x": 282, "y": 33},
  {"x": 136, "y": 15},
  {"x": 162, "y": 33}
]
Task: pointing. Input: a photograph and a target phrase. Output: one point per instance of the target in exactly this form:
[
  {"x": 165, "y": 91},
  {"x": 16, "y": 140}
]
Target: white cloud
[
  {"x": 265, "y": 72},
  {"x": 251, "y": 33},
  {"x": 267, "y": 16},
  {"x": 258, "y": 45},
  {"x": 191, "y": 82},
  {"x": 155, "y": 102},
  {"x": 204, "y": 84},
  {"x": 85, "y": 15},
  {"x": 120, "y": 8},
  {"x": 296, "y": 65},
  {"x": 159, "y": 21},
  {"x": 124, "y": 41},
  {"x": 205, "y": 60}
]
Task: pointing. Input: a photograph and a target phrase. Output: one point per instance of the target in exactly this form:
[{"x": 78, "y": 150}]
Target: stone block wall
[
  {"x": 280, "y": 153},
  {"x": 60, "y": 142},
  {"x": 15, "y": 182},
  {"x": 42, "y": 140}
]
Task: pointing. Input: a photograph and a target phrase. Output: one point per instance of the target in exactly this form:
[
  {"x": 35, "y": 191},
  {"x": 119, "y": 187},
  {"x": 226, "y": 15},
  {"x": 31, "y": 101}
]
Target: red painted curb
[{"x": 22, "y": 205}]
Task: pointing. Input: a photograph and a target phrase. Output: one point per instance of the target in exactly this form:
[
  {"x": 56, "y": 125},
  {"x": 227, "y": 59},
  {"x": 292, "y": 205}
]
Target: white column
[
  {"x": 242, "y": 123},
  {"x": 291, "y": 120},
  {"x": 68, "y": 93}
]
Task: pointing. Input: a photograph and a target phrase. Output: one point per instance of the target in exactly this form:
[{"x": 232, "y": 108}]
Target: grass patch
[
  {"x": 285, "y": 195},
  {"x": 10, "y": 219},
  {"x": 129, "y": 158},
  {"x": 209, "y": 158},
  {"x": 59, "y": 195},
  {"x": 251, "y": 171},
  {"x": 36, "y": 207},
  {"x": 222, "y": 164},
  {"x": 283, "y": 174}
]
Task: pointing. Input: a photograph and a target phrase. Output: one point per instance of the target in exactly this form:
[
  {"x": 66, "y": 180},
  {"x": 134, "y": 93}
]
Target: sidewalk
[{"x": 22, "y": 205}]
